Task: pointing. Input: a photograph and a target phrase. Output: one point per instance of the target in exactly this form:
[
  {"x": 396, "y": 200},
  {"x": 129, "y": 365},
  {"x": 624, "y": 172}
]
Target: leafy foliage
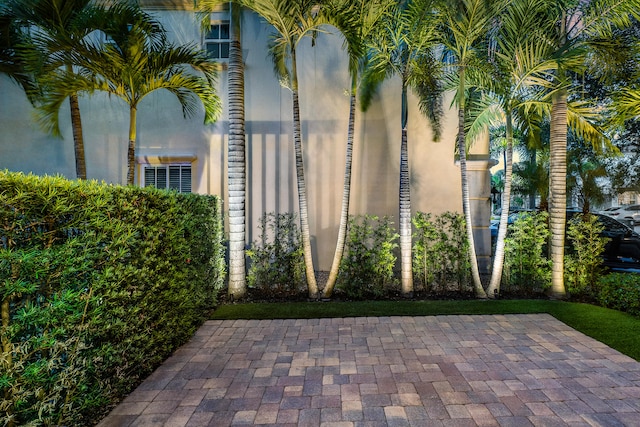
[
  {"x": 583, "y": 265},
  {"x": 277, "y": 263},
  {"x": 621, "y": 292},
  {"x": 527, "y": 269},
  {"x": 440, "y": 251},
  {"x": 99, "y": 285},
  {"x": 366, "y": 269}
]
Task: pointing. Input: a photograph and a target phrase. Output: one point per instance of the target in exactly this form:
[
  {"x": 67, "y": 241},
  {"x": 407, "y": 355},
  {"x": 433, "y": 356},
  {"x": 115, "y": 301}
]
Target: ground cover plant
[{"x": 99, "y": 284}]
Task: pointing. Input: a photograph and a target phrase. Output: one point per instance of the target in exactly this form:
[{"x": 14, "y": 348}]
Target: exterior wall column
[{"x": 478, "y": 166}]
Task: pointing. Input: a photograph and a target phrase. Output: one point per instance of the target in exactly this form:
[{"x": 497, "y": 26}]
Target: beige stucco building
[{"x": 166, "y": 138}]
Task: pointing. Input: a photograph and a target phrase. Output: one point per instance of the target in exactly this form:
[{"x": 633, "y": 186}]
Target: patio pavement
[{"x": 503, "y": 370}]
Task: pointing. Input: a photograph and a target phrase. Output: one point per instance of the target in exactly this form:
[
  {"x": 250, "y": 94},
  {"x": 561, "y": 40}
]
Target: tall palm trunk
[
  {"x": 498, "y": 257},
  {"x": 466, "y": 200},
  {"x": 78, "y": 140},
  {"x": 346, "y": 193},
  {"x": 405, "y": 206},
  {"x": 236, "y": 167},
  {"x": 131, "y": 152},
  {"x": 302, "y": 188},
  {"x": 558, "y": 190}
]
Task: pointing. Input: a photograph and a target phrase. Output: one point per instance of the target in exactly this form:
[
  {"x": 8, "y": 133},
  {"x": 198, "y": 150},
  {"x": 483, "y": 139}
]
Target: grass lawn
[{"x": 616, "y": 329}]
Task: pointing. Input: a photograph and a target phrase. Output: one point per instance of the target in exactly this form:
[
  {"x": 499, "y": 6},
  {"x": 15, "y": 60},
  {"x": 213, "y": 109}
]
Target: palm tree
[
  {"x": 293, "y": 20},
  {"x": 466, "y": 26},
  {"x": 237, "y": 162},
  {"x": 136, "y": 62},
  {"x": 236, "y": 169},
  {"x": 580, "y": 25},
  {"x": 522, "y": 65},
  {"x": 356, "y": 20},
  {"x": 405, "y": 45},
  {"x": 58, "y": 25}
]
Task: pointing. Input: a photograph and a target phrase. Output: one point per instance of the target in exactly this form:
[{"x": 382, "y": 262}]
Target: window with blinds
[{"x": 171, "y": 177}]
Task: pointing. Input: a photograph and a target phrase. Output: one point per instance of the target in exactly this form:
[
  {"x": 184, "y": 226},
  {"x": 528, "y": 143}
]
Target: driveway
[{"x": 497, "y": 370}]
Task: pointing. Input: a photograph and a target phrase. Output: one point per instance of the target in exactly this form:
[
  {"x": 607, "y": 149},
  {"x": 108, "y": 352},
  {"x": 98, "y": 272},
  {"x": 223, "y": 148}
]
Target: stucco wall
[{"x": 162, "y": 131}]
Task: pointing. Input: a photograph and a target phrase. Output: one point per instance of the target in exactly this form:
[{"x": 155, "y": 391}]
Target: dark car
[{"x": 622, "y": 252}]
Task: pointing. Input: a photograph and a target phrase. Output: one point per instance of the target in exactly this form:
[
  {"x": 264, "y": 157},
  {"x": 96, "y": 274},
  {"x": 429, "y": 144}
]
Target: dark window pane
[
  {"x": 214, "y": 32},
  {"x": 213, "y": 50},
  {"x": 224, "y": 31},
  {"x": 224, "y": 50}
]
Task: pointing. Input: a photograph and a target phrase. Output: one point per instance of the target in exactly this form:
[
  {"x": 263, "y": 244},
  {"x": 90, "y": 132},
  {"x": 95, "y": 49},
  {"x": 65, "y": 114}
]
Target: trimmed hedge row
[{"x": 99, "y": 284}]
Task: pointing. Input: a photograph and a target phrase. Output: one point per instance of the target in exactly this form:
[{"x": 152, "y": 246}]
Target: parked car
[
  {"x": 495, "y": 223},
  {"x": 613, "y": 211},
  {"x": 630, "y": 213},
  {"x": 622, "y": 252}
]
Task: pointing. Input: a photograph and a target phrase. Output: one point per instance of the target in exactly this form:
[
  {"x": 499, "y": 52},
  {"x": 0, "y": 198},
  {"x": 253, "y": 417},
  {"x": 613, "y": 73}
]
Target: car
[
  {"x": 613, "y": 211},
  {"x": 629, "y": 213},
  {"x": 622, "y": 252},
  {"x": 495, "y": 222}
]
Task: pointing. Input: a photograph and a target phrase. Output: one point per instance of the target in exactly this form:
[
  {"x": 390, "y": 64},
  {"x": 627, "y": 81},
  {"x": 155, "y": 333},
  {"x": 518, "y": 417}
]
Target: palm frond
[{"x": 583, "y": 119}]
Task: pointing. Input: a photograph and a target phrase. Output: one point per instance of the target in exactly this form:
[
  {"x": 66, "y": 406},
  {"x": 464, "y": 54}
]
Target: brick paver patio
[{"x": 506, "y": 370}]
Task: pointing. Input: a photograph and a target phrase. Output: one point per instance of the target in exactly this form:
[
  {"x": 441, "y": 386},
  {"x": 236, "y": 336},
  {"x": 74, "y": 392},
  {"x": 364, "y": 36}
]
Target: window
[
  {"x": 216, "y": 40},
  {"x": 174, "y": 177}
]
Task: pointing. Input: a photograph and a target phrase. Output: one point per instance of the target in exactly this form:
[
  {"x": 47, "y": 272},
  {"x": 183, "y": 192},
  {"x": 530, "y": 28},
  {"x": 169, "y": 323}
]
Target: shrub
[
  {"x": 620, "y": 291},
  {"x": 441, "y": 252},
  {"x": 366, "y": 269},
  {"x": 99, "y": 285},
  {"x": 526, "y": 268},
  {"x": 583, "y": 263},
  {"x": 277, "y": 261}
]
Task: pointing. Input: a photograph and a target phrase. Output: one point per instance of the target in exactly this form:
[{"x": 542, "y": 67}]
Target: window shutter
[
  {"x": 161, "y": 177},
  {"x": 186, "y": 180},
  {"x": 174, "y": 177},
  {"x": 149, "y": 176}
]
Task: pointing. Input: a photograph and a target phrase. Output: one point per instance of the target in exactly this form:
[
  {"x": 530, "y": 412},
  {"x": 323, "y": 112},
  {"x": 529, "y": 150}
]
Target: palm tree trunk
[
  {"x": 498, "y": 257},
  {"x": 532, "y": 195},
  {"x": 78, "y": 140},
  {"x": 131, "y": 152},
  {"x": 302, "y": 188},
  {"x": 346, "y": 193},
  {"x": 406, "y": 273},
  {"x": 236, "y": 167},
  {"x": 466, "y": 200},
  {"x": 558, "y": 190}
]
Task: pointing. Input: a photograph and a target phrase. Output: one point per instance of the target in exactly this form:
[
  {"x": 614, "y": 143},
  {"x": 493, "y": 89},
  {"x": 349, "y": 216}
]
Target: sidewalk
[{"x": 504, "y": 370}]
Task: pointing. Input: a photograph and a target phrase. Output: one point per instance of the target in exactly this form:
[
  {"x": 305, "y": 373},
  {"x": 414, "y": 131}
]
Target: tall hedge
[{"x": 98, "y": 285}]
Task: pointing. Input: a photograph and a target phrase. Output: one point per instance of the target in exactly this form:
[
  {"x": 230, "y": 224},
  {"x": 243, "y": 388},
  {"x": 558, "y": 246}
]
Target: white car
[
  {"x": 613, "y": 211},
  {"x": 629, "y": 213}
]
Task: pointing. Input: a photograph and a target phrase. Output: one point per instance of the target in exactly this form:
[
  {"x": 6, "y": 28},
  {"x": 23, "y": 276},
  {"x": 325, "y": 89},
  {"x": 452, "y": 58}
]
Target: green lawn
[{"x": 618, "y": 330}]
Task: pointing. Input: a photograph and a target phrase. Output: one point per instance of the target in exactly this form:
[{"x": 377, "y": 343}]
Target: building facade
[{"x": 183, "y": 152}]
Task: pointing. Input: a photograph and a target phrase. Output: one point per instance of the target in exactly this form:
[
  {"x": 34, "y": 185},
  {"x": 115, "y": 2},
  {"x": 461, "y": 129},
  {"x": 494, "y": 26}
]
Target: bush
[
  {"x": 583, "y": 263},
  {"x": 620, "y": 291},
  {"x": 366, "y": 269},
  {"x": 99, "y": 285},
  {"x": 441, "y": 252},
  {"x": 526, "y": 268},
  {"x": 277, "y": 261}
]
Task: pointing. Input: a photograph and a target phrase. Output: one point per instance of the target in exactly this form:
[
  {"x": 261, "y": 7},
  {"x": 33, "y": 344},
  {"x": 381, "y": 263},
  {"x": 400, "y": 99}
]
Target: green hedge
[
  {"x": 620, "y": 291},
  {"x": 99, "y": 284}
]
